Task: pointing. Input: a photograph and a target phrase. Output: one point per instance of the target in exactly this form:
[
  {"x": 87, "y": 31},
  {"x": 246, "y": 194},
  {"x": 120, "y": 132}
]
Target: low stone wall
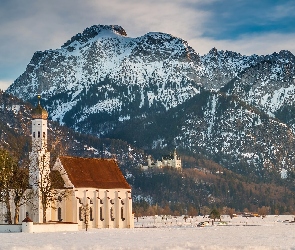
[
  {"x": 30, "y": 227},
  {"x": 5, "y": 228}
]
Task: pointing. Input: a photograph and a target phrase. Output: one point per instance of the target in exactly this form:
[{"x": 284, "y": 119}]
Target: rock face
[
  {"x": 268, "y": 85},
  {"x": 105, "y": 83},
  {"x": 101, "y": 71}
]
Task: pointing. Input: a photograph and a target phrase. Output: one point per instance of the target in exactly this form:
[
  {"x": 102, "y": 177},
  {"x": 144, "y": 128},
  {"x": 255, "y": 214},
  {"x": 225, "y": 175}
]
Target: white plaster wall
[
  {"x": 39, "y": 143},
  {"x": 55, "y": 227},
  {"x": 105, "y": 199},
  {"x": 27, "y": 227},
  {"x": 93, "y": 197}
]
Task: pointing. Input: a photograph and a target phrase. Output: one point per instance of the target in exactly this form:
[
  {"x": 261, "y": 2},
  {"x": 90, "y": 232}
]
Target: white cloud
[
  {"x": 5, "y": 84},
  {"x": 282, "y": 11},
  {"x": 39, "y": 25},
  {"x": 140, "y": 17},
  {"x": 260, "y": 44}
]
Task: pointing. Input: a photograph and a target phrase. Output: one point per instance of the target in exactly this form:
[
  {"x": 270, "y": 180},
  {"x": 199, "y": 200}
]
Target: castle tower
[
  {"x": 176, "y": 160},
  {"x": 175, "y": 154},
  {"x": 39, "y": 160},
  {"x": 149, "y": 161}
]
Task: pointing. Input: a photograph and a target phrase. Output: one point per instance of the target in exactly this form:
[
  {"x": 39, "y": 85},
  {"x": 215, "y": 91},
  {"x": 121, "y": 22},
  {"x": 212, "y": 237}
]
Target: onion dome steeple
[{"x": 38, "y": 112}]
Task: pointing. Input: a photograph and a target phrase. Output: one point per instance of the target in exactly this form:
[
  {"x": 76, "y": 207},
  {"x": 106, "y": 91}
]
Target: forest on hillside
[
  {"x": 198, "y": 190},
  {"x": 201, "y": 185}
]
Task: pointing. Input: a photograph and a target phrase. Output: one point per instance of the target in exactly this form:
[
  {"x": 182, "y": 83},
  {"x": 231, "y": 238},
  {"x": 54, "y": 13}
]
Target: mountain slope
[
  {"x": 15, "y": 134},
  {"x": 222, "y": 104},
  {"x": 269, "y": 85},
  {"x": 207, "y": 184},
  {"x": 223, "y": 128}
]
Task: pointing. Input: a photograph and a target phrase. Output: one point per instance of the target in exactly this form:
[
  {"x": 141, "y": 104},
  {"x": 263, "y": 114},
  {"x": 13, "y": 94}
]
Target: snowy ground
[{"x": 272, "y": 232}]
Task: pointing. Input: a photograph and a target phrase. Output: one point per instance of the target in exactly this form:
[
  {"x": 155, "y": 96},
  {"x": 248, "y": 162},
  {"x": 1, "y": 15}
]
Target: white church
[{"x": 93, "y": 192}]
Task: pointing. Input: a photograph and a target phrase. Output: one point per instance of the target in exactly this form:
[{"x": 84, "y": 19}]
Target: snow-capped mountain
[
  {"x": 111, "y": 73},
  {"x": 103, "y": 82},
  {"x": 102, "y": 71},
  {"x": 269, "y": 85}
]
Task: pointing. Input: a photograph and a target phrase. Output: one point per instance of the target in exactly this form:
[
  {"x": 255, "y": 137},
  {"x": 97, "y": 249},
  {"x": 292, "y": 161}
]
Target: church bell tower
[
  {"x": 39, "y": 159},
  {"x": 39, "y": 128}
]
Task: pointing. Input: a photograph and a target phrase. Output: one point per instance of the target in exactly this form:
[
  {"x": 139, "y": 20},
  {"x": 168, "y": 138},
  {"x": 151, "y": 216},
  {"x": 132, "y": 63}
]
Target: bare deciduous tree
[
  {"x": 49, "y": 187},
  {"x": 13, "y": 185},
  {"x": 7, "y": 167},
  {"x": 20, "y": 192}
]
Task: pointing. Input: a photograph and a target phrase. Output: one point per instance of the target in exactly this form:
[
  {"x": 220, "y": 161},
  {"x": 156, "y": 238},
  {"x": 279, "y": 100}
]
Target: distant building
[{"x": 172, "y": 161}]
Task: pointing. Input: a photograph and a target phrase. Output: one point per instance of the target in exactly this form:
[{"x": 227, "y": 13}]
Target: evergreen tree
[{"x": 215, "y": 214}]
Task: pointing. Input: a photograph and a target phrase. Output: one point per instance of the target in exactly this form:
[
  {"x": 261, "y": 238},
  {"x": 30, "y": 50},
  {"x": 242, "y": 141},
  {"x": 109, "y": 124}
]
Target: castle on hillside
[{"x": 172, "y": 161}]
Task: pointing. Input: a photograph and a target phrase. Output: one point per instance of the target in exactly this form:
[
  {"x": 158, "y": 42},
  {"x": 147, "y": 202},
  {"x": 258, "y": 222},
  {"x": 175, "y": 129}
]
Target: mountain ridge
[{"x": 101, "y": 80}]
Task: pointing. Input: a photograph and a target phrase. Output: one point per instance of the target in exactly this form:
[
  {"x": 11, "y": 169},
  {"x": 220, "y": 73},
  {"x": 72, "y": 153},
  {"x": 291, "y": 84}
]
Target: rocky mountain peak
[
  {"x": 213, "y": 51},
  {"x": 95, "y": 30},
  {"x": 287, "y": 54},
  {"x": 159, "y": 36}
]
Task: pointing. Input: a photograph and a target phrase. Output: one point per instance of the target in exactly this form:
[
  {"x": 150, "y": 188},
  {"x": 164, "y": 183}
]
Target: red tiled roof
[
  {"x": 93, "y": 173},
  {"x": 27, "y": 219}
]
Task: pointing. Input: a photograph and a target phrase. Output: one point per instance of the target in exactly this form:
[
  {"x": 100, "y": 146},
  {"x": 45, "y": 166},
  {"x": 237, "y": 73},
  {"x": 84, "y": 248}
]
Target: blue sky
[
  {"x": 235, "y": 18},
  {"x": 248, "y": 27}
]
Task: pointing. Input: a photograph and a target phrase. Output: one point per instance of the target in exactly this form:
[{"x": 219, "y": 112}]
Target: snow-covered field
[{"x": 272, "y": 232}]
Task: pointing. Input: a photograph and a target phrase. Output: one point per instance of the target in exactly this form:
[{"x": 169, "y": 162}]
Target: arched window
[
  {"x": 43, "y": 134},
  {"x": 34, "y": 134},
  {"x": 100, "y": 214},
  {"x": 38, "y": 134},
  {"x": 112, "y": 214},
  {"x": 59, "y": 214},
  {"x": 80, "y": 214},
  {"x": 91, "y": 214},
  {"x": 122, "y": 214}
]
